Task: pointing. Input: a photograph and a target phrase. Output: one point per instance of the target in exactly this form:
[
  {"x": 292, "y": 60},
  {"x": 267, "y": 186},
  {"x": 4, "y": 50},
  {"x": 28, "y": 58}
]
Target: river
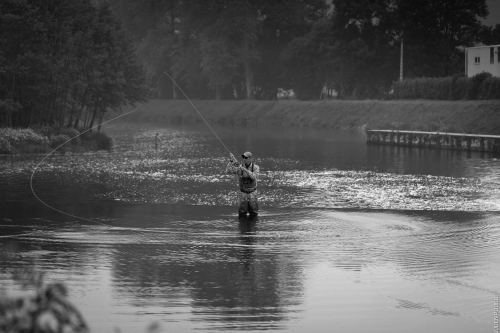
[{"x": 350, "y": 237}]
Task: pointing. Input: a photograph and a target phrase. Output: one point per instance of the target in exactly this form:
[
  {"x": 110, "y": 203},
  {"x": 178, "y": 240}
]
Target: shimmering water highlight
[{"x": 350, "y": 237}]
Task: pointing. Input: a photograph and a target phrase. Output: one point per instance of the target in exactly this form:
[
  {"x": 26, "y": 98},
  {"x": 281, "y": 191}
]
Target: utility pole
[
  {"x": 401, "y": 62},
  {"x": 466, "y": 62}
]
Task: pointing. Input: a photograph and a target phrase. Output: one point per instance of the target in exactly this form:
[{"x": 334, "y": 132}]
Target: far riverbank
[{"x": 478, "y": 117}]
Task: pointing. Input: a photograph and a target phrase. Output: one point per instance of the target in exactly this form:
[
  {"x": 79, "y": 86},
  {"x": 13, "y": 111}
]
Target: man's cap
[{"x": 247, "y": 154}]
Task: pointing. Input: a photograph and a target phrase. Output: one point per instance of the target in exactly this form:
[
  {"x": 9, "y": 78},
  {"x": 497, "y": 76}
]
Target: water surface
[{"x": 350, "y": 237}]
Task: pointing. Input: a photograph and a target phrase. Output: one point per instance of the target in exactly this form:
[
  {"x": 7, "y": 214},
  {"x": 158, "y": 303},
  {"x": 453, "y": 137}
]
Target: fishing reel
[{"x": 233, "y": 161}]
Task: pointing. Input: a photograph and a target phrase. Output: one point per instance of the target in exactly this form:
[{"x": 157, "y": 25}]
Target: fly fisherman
[
  {"x": 157, "y": 142},
  {"x": 248, "y": 174}
]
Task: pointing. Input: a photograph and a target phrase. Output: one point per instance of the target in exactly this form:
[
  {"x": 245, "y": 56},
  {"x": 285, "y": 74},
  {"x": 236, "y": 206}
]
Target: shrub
[
  {"x": 496, "y": 89},
  {"x": 17, "y": 136},
  {"x": 98, "y": 140},
  {"x": 45, "y": 310},
  {"x": 458, "y": 88},
  {"x": 480, "y": 86},
  {"x": 445, "y": 87},
  {"x": 490, "y": 89},
  {"x": 27, "y": 140},
  {"x": 484, "y": 89},
  {"x": 72, "y": 133},
  {"x": 5, "y": 147},
  {"x": 45, "y": 130},
  {"x": 58, "y": 140},
  {"x": 30, "y": 149},
  {"x": 474, "y": 85}
]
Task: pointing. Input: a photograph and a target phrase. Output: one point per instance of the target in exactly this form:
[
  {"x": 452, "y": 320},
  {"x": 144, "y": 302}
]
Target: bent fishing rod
[
  {"x": 55, "y": 149},
  {"x": 206, "y": 122}
]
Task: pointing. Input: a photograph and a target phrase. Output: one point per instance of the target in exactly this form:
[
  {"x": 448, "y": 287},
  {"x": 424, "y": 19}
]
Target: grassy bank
[
  {"x": 45, "y": 139},
  {"x": 478, "y": 117}
]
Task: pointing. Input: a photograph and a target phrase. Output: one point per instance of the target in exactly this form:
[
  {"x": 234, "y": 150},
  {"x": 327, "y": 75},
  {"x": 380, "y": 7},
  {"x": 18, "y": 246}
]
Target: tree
[
  {"x": 230, "y": 47},
  {"x": 73, "y": 58},
  {"x": 490, "y": 35},
  {"x": 356, "y": 50},
  {"x": 352, "y": 51},
  {"x": 282, "y": 21},
  {"x": 305, "y": 67},
  {"x": 153, "y": 27},
  {"x": 433, "y": 30},
  {"x": 224, "y": 33}
]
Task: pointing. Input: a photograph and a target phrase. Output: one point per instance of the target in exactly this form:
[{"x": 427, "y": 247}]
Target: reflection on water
[
  {"x": 168, "y": 246},
  {"x": 189, "y": 170}
]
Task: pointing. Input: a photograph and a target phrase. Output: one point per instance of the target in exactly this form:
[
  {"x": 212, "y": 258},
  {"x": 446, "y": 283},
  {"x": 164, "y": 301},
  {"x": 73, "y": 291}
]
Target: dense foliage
[
  {"x": 63, "y": 63},
  {"x": 356, "y": 50},
  {"x": 46, "y": 309},
  {"x": 74, "y": 62},
  {"x": 235, "y": 49},
  {"x": 217, "y": 49},
  {"x": 482, "y": 86},
  {"x": 45, "y": 139}
]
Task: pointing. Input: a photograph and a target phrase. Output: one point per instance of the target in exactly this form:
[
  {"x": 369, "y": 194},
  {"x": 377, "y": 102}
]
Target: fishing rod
[
  {"x": 112, "y": 119},
  {"x": 90, "y": 129},
  {"x": 206, "y": 122}
]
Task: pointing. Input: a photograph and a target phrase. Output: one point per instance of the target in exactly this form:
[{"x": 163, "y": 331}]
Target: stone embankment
[{"x": 461, "y": 141}]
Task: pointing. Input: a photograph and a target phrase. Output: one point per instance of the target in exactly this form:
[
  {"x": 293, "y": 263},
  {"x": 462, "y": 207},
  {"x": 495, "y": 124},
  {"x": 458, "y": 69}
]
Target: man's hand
[{"x": 233, "y": 160}]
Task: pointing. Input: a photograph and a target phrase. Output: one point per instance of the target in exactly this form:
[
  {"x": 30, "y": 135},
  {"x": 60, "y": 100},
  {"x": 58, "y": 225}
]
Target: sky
[{"x": 494, "y": 17}]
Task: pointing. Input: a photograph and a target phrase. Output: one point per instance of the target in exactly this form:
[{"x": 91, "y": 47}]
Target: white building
[{"x": 482, "y": 59}]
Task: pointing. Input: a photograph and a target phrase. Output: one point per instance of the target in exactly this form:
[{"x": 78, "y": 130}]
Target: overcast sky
[{"x": 494, "y": 8}]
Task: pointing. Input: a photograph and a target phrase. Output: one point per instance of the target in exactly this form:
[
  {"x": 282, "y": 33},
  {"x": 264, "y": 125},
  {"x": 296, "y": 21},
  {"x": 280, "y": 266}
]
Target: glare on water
[{"x": 350, "y": 237}]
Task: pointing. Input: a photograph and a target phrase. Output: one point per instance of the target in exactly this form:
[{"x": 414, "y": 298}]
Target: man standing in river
[
  {"x": 248, "y": 174},
  {"x": 157, "y": 143}
]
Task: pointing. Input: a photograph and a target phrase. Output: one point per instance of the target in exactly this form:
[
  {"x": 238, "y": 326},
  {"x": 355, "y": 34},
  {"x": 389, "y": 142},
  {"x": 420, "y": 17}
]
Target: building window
[
  {"x": 492, "y": 55},
  {"x": 477, "y": 60}
]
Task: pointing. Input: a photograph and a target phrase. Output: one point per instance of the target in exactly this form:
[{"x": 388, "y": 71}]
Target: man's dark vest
[{"x": 247, "y": 184}]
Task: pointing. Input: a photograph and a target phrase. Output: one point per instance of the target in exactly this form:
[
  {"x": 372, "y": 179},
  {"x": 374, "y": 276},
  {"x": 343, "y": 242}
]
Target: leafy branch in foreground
[{"x": 44, "y": 310}]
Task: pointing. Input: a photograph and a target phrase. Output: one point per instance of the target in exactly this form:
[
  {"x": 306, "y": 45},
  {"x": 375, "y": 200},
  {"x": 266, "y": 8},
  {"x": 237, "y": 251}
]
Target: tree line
[
  {"x": 216, "y": 49},
  {"x": 64, "y": 63},
  {"x": 236, "y": 49}
]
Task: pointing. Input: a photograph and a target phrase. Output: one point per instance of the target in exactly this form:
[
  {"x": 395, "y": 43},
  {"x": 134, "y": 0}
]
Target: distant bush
[
  {"x": 72, "y": 133},
  {"x": 17, "y": 136},
  {"x": 30, "y": 149},
  {"x": 58, "y": 140},
  {"x": 5, "y": 147},
  {"x": 490, "y": 88},
  {"x": 480, "y": 86},
  {"x": 474, "y": 85},
  {"x": 97, "y": 140},
  {"x": 458, "y": 88},
  {"x": 46, "y": 131},
  {"x": 39, "y": 140}
]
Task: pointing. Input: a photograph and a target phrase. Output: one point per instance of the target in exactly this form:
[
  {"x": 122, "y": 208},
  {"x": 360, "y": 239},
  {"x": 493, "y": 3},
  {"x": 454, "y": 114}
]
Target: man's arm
[
  {"x": 232, "y": 166},
  {"x": 253, "y": 175}
]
